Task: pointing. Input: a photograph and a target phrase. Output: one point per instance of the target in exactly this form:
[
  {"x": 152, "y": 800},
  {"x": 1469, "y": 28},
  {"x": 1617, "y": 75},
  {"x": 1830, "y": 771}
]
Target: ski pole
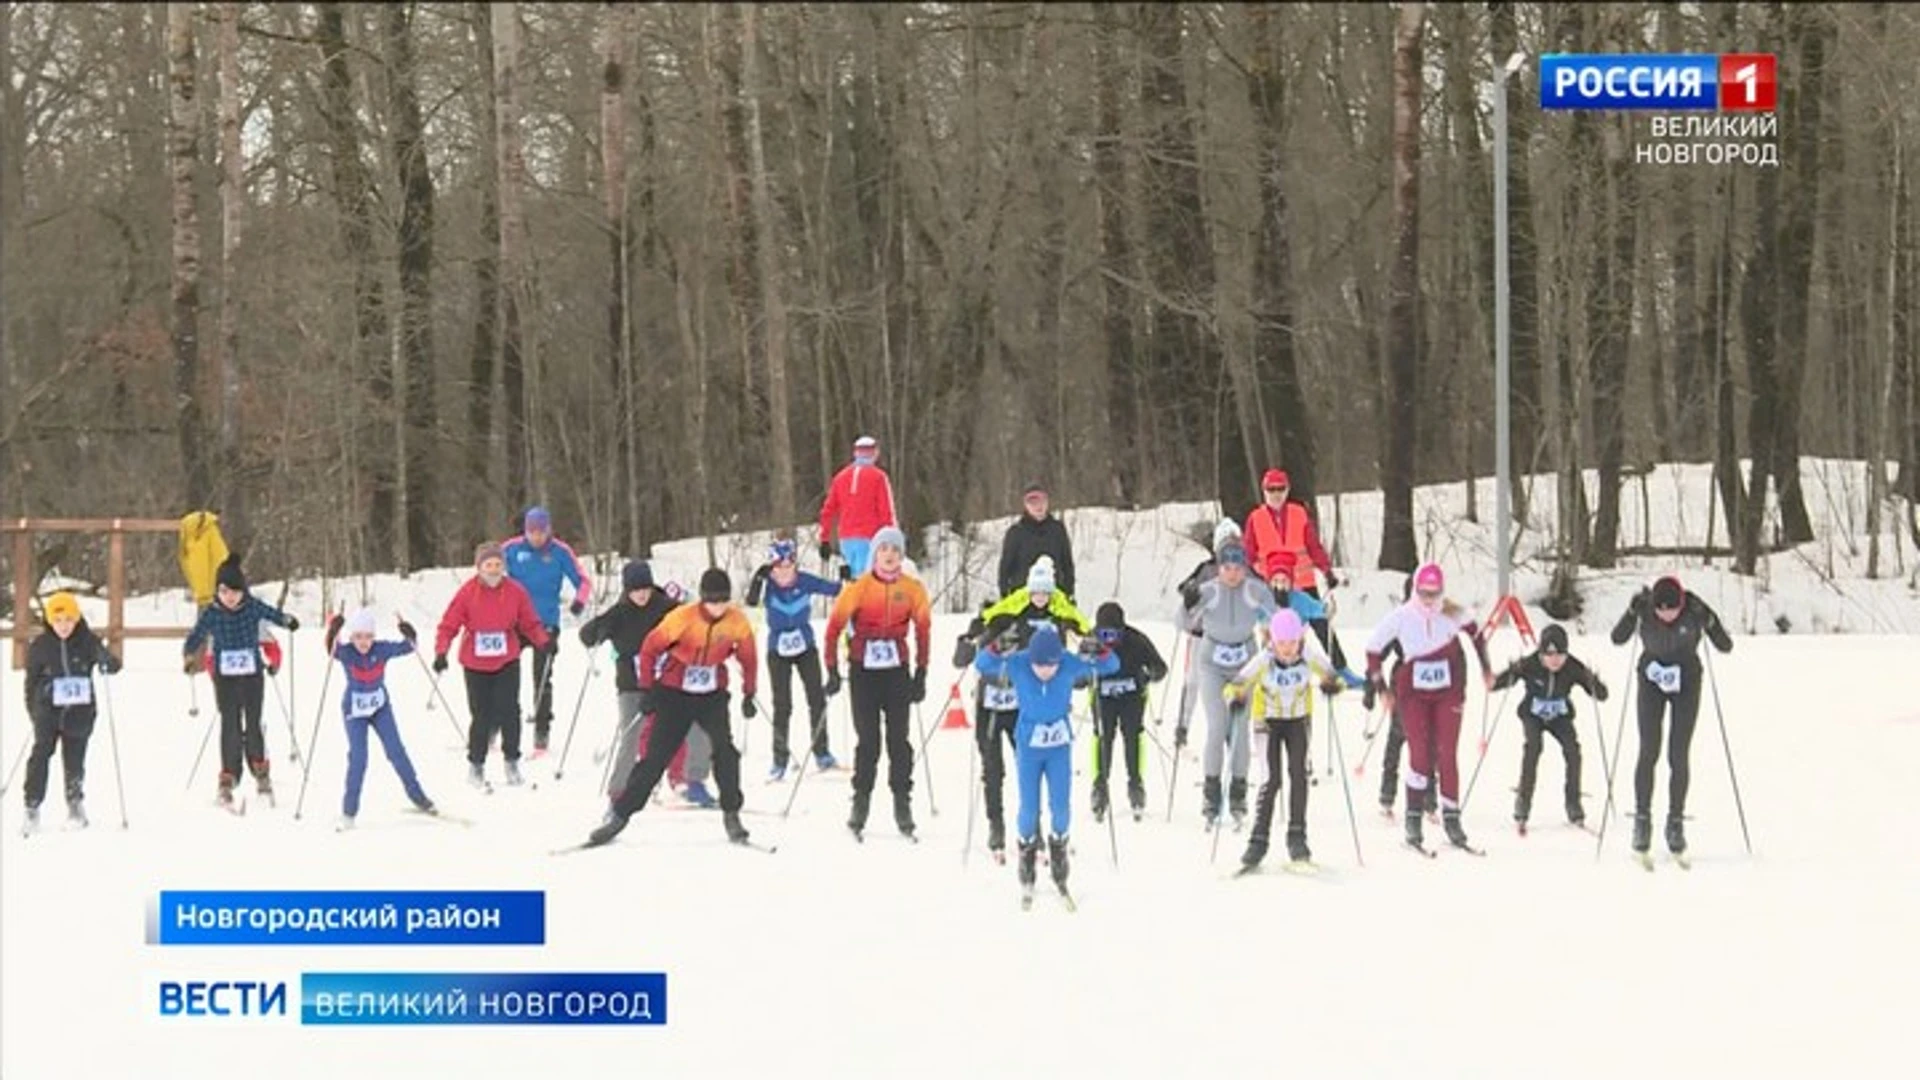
[
  {"x": 193, "y": 696},
  {"x": 201, "y": 755},
  {"x": 973, "y": 790},
  {"x": 1738, "y": 805},
  {"x": 313, "y": 742},
  {"x": 433, "y": 682},
  {"x": 627, "y": 731},
  {"x": 926, "y": 764},
  {"x": 593, "y": 672},
  {"x": 1173, "y": 779},
  {"x": 819, "y": 726},
  {"x": 1184, "y": 649},
  {"x": 1346, "y": 789},
  {"x": 113, "y": 742},
  {"x": 1113, "y": 830},
  {"x": 1627, "y": 694},
  {"x": 285, "y": 712},
  {"x": 1233, "y": 729},
  {"x": 1500, "y": 714},
  {"x": 1157, "y": 744},
  {"x": 26, "y": 744}
]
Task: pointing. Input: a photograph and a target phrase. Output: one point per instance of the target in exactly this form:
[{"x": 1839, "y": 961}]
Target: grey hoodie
[{"x": 1228, "y": 617}]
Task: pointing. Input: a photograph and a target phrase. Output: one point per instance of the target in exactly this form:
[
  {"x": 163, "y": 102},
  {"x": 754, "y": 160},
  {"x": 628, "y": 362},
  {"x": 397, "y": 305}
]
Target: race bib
[
  {"x": 700, "y": 680},
  {"x": 1231, "y": 656},
  {"x": 1287, "y": 680},
  {"x": 1118, "y": 687},
  {"x": 72, "y": 691},
  {"x": 881, "y": 655},
  {"x": 1550, "y": 708},
  {"x": 363, "y": 704},
  {"x": 1664, "y": 677},
  {"x": 1048, "y": 736},
  {"x": 1000, "y": 698},
  {"x": 490, "y": 646},
  {"x": 238, "y": 662},
  {"x": 1432, "y": 675},
  {"x": 790, "y": 643}
]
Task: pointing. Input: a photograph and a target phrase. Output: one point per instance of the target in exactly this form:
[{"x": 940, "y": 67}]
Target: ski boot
[
  {"x": 1386, "y": 805},
  {"x": 1029, "y": 852},
  {"x": 344, "y": 824},
  {"x": 608, "y": 829},
  {"x": 32, "y": 824},
  {"x": 1256, "y": 852},
  {"x": 1643, "y": 839},
  {"x": 777, "y": 773},
  {"x": 540, "y": 736},
  {"x": 1576, "y": 814},
  {"x": 903, "y": 814},
  {"x": 997, "y": 839},
  {"x": 698, "y": 795},
  {"x": 1210, "y": 801},
  {"x": 477, "y": 776},
  {"x": 1237, "y": 802},
  {"x": 736, "y": 832},
  {"x": 262, "y": 779},
  {"x": 514, "y": 779},
  {"x": 1137, "y": 799},
  {"x": 824, "y": 762},
  {"x": 1676, "y": 834},
  {"x": 857, "y": 819},
  {"x": 1416, "y": 822},
  {"x": 227, "y": 780},
  {"x": 1456, "y": 835},
  {"x": 1057, "y": 863},
  {"x": 1522, "y": 809},
  {"x": 76, "y": 812},
  {"x": 1099, "y": 802}
]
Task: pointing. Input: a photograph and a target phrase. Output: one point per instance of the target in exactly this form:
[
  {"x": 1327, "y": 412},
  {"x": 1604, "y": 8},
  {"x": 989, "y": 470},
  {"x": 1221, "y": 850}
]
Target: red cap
[
  {"x": 1284, "y": 560},
  {"x": 1275, "y": 478}
]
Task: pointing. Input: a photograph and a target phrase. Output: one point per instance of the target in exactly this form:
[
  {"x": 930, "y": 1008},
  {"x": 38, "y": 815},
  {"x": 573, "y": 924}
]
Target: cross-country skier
[
  {"x": 1122, "y": 705},
  {"x": 495, "y": 614},
  {"x": 60, "y": 700},
  {"x": 625, "y": 625},
  {"x": 1282, "y": 525},
  {"x": 1034, "y": 535},
  {"x": 541, "y": 562},
  {"x": 365, "y": 706},
  {"x": 1313, "y": 613},
  {"x": 1549, "y": 676},
  {"x": 1280, "y": 682},
  {"x": 683, "y": 674},
  {"x": 1429, "y": 688},
  {"x": 788, "y": 594},
  {"x": 1670, "y": 623},
  {"x": 1227, "y": 529},
  {"x": 1044, "y": 674},
  {"x": 860, "y": 503},
  {"x": 882, "y": 607},
  {"x": 232, "y": 621},
  {"x": 1227, "y": 612}
]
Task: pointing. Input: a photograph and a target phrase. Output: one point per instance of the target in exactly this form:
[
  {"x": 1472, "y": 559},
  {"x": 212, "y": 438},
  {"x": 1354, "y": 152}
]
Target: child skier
[
  {"x": 787, "y": 593},
  {"x": 492, "y": 614},
  {"x": 60, "y": 696},
  {"x": 1227, "y": 612},
  {"x": 1226, "y": 530},
  {"x": 1122, "y": 704},
  {"x": 1043, "y": 675},
  {"x": 625, "y": 626},
  {"x": 365, "y": 706},
  {"x": 1280, "y": 680},
  {"x": 1549, "y": 675},
  {"x": 232, "y": 622}
]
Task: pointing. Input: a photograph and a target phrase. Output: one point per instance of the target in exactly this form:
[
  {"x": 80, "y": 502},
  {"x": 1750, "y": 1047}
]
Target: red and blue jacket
[
  {"x": 366, "y": 692},
  {"x": 541, "y": 570}
]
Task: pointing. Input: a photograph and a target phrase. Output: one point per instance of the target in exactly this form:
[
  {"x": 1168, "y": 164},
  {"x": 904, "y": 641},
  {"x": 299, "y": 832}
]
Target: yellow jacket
[
  {"x": 1282, "y": 691},
  {"x": 202, "y": 551},
  {"x": 1059, "y": 609}
]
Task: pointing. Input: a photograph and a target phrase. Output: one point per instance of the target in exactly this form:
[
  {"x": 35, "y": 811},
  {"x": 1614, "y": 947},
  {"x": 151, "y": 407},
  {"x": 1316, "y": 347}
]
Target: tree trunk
[
  {"x": 1612, "y": 332},
  {"x": 486, "y": 288},
  {"x": 1523, "y": 298},
  {"x": 183, "y": 130},
  {"x": 773, "y": 305},
  {"x": 1124, "y": 387},
  {"x": 1800, "y": 97},
  {"x": 233, "y": 198},
  {"x": 614, "y": 47},
  {"x": 512, "y": 168},
  {"x": 420, "y": 423},
  {"x": 1882, "y": 416},
  {"x": 1398, "y": 549},
  {"x": 1759, "y": 325}
]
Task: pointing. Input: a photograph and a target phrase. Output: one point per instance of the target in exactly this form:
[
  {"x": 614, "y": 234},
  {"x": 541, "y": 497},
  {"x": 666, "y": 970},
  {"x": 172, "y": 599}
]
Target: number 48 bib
[{"x": 1432, "y": 675}]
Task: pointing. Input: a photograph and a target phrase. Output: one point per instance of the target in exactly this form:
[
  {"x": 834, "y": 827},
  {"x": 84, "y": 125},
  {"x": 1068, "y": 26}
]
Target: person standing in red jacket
[
  {"x": 1281, "y": 534},
  {"x": 860, "y": 501},
  {"x": 495, "y": 613}
]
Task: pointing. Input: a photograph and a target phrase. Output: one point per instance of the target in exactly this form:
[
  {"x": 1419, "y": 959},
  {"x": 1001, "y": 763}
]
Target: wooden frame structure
[{"x": 116, "y": 530}]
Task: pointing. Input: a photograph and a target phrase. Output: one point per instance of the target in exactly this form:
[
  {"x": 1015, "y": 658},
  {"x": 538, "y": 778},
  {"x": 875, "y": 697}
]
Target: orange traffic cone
[{"x": 956, "y": 712}]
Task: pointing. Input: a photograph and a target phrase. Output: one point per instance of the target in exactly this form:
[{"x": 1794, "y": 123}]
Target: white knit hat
[
  {"x": 890, "y": 537},
  {"x": 1040, "y": 577},
  {"x": 361, "y": 622},
  {"x": 1227, "y": 530}
]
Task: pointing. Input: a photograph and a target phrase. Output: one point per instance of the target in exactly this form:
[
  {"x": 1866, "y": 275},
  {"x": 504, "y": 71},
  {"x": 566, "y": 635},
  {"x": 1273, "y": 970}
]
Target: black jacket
[
  {"x": 1140, "y": 665},
  {"x": 1026, "y": 541},
  {"x": 626, "y": 626},
  {"x": 1549, "y": 693},
  {"x": 50, "y": 658},
  {"x": 1675, "y": 644}
]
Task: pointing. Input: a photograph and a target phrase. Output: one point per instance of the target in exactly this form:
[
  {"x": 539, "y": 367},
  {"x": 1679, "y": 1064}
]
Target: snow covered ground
[{"x": 888, "y": 959}]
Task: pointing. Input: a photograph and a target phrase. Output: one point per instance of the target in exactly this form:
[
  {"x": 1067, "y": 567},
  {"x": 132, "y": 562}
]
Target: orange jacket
[
  {"x": 1291, "y": 530},
  {"x": 881, "y": 611},
  {"x": 688, "y": 652}
]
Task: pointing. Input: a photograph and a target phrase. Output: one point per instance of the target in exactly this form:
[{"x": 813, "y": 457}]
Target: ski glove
[
  {"x": 407, "y": 631},
  {"x": 749, "y": 709},
  {"x": 919, "y": 693},
  {"x": 334, "y": 624},
  {"x": 963, "y": 653},
  {"x": 588, "y": 637},
  {"x": 846, "y": 572},
  {"x": 553, "y": 641},
  {"x": 833, "y": 683},
  {"x": 1090, "y": 648},
  {"x": 577, "y": 606},
  {"x": 1180, "y": 737},
  {"x": 191, "y": 664},
  {"x": 826, "y": 551},
  {"x": 440, "y": 664},
  {"x": 1332, "y": 687},
  {"x": 109, "y": 663},
  {"x": 1190, "y": 597},
  {"x": 1599, "y": 689}
]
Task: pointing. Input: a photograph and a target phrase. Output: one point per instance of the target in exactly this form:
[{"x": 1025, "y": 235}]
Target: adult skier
[
  {"x": 882, "y": 608},
  {"x": 1670, "y": 623},
  {"x": 1122, "y": 705},
  {"x": 859, "y": 503},
  {"x": 1044, "y": 674},
  {"x": 366, "y": 707},
  {"x": 232, "y": 623},
  {"x": 1226, "y": 612},
  {"x": 683, "y": 675},
  {"x": 60, "y": 701},
  {"x": 624, "y": 626},
  {"x": 1429, "y": 688},
  {"x": 541, "y": 562},
  {"x": 1227, "y": 529},
  {"x": 1036, "y": 534},
  {"x": 492, "y": 614},
  {"x": 1549, "y": 675},
  {"x": 787, "y": 593}
]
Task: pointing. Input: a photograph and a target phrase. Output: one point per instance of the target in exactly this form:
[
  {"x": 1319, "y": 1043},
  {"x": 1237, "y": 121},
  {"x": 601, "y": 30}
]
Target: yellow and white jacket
[{"x": 1282, "y": 691}]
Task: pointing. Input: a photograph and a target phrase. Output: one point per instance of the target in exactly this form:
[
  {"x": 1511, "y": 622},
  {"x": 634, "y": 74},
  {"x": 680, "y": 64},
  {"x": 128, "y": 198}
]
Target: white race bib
[
  {"x": 1432, "y": 674},
  {"x": 364, "y": 704},
  {"x": 1287, "y": 680},
  {"x": 1230, "y": 656},
  {"x": 1550, "y": 708},
  {"x": 71, "y": 691},
  {"x": 490, "y": 646},
  {"x": 881, "y": 655},
  {"x": 996, "y": 698},
  {"x": 1048, "y": 736},
  {"x": 1118, "y": 687},
  {"x": 237, "y": 662},
  {"x": 790, "y": 643},
  {"x": 700, "y": 680},
  {"x": 1664, "y": 677}
]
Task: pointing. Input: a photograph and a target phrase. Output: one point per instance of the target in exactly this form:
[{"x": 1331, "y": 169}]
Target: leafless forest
[{"x": 366, "y": 278}]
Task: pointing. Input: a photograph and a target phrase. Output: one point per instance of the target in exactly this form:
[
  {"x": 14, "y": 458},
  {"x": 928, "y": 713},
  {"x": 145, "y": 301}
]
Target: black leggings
[
  {"x": 1686, "y": 710},
  {"x": 1292, "y": 734},
  {"x": 69, "y": 728},
  {"x": 240, "y": 700},
  {"x": 880, "y": 700},
  {"x": 1124, "y": 715},
  {"x": 780, "y": 669},
  {"x": 493, "y": 697},
  {"x": 990, "y": 729},
  {"x": 1561, "y": 728},
  {"x": 674, "y": 714}
]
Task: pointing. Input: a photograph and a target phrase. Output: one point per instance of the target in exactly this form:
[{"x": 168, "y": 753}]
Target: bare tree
[
  {"x": 512, "y": 166},
  {"x": 615, "y": 44},
  {"x": 184, "y": 153},
  {"x": 1398, "y": 550},
  {"x": 419, "y": 423},
  {"x": 772, "y": 304},
  {"x": 233, "y": 200}
]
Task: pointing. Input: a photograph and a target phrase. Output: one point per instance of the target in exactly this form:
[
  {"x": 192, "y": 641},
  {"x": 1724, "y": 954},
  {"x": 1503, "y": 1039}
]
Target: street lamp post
[{"x": 1502, "y": 334}]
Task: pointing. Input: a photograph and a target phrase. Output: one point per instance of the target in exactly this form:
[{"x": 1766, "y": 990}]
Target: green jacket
[{"x": 1016, "y": 605}]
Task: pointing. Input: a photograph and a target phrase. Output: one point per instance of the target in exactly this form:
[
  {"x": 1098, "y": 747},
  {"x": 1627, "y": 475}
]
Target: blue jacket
[
  {"x": 367, "y": 674},
  {"x": 1306, "y": 606},
  {"x": 1042, "y": 723},
  {"x": 541, "y": 570},
  {"x": 237, "y": 630},
  {"x": 790, "y": 608}
]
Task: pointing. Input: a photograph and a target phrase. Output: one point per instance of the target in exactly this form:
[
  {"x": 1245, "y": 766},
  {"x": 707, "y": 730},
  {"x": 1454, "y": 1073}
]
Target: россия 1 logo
[{"x": 1722, "y": 82}]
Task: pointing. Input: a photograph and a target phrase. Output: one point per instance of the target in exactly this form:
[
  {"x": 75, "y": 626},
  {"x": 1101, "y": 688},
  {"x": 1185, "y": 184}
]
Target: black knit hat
[
  {"x": 230, "y": 576},
  {"x": 1110, "y": 616},
  {"x": 1667, "y": 593},
  {"x": 1553, "y": 639},
  {"x": 715, "y": 586},
  {"x": 637, "y": 574}
]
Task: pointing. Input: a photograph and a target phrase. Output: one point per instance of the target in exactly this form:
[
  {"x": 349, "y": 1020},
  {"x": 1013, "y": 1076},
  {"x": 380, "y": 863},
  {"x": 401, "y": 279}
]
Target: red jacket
[
  {"x": 494, "y": 620},
  {"x": 1291, "y": 530},
  {"x": 861, "y": 497}
]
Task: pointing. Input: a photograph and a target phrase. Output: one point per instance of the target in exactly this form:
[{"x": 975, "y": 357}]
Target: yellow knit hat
[{"x": 62, "y": 605}]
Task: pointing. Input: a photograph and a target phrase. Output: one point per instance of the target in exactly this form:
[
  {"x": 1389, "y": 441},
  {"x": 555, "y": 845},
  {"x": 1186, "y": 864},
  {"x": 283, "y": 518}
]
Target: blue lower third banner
[
  {"x": 348, "y": 918},
  {"x": 413, "y": 998}
]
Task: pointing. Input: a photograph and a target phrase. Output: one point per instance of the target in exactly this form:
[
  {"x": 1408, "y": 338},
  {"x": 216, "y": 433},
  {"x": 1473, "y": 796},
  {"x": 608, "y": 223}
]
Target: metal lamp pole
[{"x": 1502, "y": 334}]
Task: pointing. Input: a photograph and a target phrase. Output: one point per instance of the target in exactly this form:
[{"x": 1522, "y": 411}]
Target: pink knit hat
[{"x": 1429, "y": 578}]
